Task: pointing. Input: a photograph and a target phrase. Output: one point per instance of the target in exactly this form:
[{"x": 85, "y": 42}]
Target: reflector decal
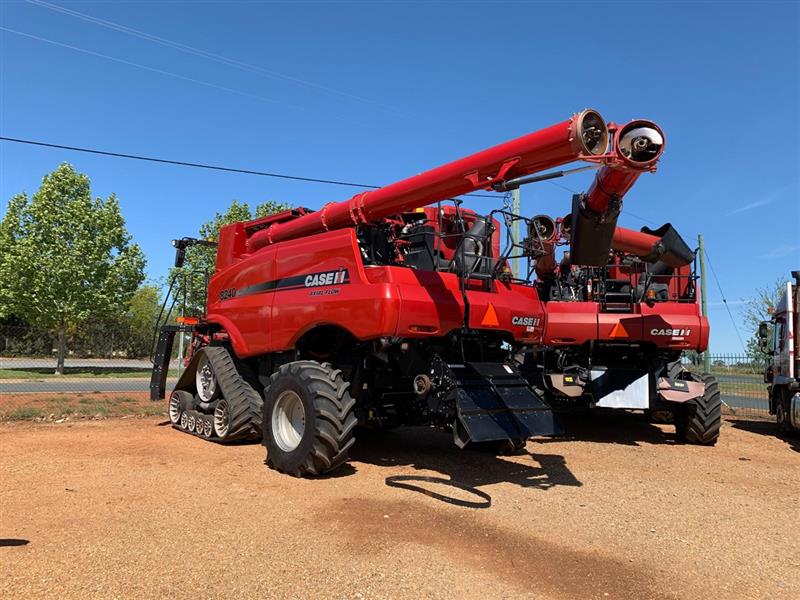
[{"x": 490, "y": 318}]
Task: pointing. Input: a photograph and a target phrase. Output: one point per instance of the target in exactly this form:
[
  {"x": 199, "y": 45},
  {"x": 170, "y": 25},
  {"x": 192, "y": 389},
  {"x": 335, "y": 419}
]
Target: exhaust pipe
[
  {"x": 541, "y": 244},
  {"x": 636, "y": 149}
]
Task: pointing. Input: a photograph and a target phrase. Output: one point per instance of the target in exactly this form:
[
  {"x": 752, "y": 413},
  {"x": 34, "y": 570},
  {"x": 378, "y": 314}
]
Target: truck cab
[{"x": 778, "y": 339}]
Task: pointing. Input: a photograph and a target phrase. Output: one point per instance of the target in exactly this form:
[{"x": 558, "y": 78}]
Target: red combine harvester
[
  {"x": 622, "y": 306},
  {"x": 375, "y": 310}
]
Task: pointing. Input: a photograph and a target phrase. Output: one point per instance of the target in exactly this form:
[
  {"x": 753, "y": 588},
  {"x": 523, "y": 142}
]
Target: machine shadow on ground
[
  {"x": 603, "y": 426},
  {"x": 768, "y": 428},
  {"x": 427, "y": 449}
]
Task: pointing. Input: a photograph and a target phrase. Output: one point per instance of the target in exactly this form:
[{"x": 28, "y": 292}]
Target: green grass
[
  {"x": 82, "y": 406},
  {"x": 25, "y": 413}
]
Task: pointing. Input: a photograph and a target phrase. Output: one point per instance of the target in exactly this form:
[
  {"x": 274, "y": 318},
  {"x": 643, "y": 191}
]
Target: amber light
[
  {"x": 423, "y": 328},
  {"x": 188, "y": 320}
]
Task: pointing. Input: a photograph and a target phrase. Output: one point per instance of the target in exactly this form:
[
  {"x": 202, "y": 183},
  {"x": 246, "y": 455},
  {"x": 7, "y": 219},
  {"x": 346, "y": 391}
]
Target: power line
[
  {"x": 148, "y": 68},
  {"x": 196, "y": 165},
  {"x": 200, "y": 52},
  {"x": 725, "y": 302}
]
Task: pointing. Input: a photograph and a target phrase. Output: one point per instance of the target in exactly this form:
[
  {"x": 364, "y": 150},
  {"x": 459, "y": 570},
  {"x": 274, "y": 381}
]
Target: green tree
[
  {"x": 190, "y": 285},
  {"x": 759, "y": 308},
  {"x": 140, "y": 320},
  {"x": 66, "y": 259}
]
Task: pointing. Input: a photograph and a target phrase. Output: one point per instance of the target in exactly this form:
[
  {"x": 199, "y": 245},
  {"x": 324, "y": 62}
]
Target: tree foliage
[
  {"x": 65, "y": 258},
  {"x": 137, "y": 325},
  {"x": 757, "y": 309},
  {"x": 190, "y": 285}
]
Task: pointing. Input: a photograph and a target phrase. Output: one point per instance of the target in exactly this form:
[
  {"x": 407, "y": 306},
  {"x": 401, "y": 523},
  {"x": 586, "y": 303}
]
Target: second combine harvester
[{"x": 386, "y": 309}]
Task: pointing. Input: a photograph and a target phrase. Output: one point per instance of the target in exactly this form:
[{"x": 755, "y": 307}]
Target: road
[
  {"x": 74, "y": 384},
  {"x": 133, "y": 509},
  {"x": 136, "y": 384}
]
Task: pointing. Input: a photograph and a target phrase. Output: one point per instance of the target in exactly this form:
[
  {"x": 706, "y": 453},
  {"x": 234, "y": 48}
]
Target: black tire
[
  {"x": 501, "y": 447},
  {"x": 242, "y": 404},
  {"x": 698, "y": 421},
  {"x": 675, "y": 370},
  {"x": 329, "y": 419},
  {"x": 782, "y": 412}
]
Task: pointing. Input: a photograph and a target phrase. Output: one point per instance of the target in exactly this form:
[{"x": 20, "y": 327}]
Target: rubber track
[
  {"x": 704, "y": 414},
  {"x": 335, "y": 420},
  {"x": 244, "y": 403}
]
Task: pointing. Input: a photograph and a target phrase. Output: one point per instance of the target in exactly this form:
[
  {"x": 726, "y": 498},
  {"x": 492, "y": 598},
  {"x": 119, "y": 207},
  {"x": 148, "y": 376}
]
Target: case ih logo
[
  {"x": 327, "y": 278},
  {"x": 671, "y": 332},
  {"x": 525, "y": 321}
]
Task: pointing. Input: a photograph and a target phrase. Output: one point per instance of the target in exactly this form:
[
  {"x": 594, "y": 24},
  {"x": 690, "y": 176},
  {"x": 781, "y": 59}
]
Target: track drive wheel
[
  {"x": 698, "y": 421},
  {"x": 237, "y": 408},
  {"x": 309, "y": 418}
]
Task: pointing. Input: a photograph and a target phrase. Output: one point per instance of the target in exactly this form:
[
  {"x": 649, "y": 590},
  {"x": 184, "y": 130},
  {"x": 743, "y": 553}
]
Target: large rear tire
[
  {"x": 309, "y": 418},
  {"x": 699, "y": 421}
]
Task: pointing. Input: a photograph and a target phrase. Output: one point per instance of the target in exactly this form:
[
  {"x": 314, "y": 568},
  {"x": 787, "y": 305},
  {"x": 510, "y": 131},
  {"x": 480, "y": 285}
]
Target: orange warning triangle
[
  {"x": 618, "y": 331},
  {"x": 490, "y": 318}
]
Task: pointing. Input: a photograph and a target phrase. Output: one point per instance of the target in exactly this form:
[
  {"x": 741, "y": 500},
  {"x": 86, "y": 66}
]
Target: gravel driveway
[{"x": 133, "y": 509}]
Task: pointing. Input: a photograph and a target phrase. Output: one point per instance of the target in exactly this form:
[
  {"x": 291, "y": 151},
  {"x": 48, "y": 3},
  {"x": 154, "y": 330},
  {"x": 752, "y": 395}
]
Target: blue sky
[{"x": 374, "y": 92}]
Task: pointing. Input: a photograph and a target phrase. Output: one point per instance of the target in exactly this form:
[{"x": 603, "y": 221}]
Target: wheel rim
[
  {"x": 221, "y": 419},
  {"x": 780, "y": 414},
  {"x": 184, "y": 421},
  {"x": 190, "y": 424},
  {"x": 288, "y": 421},
  {"x": 175, "y": 409},
  {"x": 205, "y": 380},
  {"x": 208, "y": 427}
]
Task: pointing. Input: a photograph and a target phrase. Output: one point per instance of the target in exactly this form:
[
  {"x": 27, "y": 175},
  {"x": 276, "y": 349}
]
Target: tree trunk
[{"x": 62, "y": 349}]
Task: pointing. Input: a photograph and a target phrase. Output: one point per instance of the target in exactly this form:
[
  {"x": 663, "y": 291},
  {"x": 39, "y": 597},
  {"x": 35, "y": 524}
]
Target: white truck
[{"x": 783, "y": 368}]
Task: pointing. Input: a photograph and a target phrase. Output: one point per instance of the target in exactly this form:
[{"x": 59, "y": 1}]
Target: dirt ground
[{"x": 130, "y": 508}]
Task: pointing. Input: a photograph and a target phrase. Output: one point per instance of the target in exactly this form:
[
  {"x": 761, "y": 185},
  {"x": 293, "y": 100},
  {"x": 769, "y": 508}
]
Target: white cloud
[
  {"x": 781, "y": 251},
  {"x": 750, "y": 206}
]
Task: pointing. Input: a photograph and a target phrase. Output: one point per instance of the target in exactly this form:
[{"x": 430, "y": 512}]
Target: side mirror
[
  {"x": 180, "y": 252},
  {"x": 763, "y": 338}
]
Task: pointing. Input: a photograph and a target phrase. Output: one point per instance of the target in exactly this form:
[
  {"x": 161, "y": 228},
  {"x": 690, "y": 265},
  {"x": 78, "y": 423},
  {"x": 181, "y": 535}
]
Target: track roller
[{"x": 179, "y": 402}]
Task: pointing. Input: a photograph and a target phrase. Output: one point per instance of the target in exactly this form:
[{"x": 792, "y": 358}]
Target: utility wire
[
  {"x": 151, "y": 69},
  {"x": 725, "y": 301},
  {"x": 202, "y": 53},
  {"x": 195, "y": 165}
]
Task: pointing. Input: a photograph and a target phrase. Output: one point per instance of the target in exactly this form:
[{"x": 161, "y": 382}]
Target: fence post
[{"x": 701, "y": 250}]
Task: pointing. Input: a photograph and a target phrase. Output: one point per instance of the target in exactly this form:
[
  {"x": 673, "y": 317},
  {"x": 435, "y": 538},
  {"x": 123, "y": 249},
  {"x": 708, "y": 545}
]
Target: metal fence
[
  {"x": 111, "y": 359},
  {"x": 741, "y": 383},
  {"x": 98, "y": 358}
]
